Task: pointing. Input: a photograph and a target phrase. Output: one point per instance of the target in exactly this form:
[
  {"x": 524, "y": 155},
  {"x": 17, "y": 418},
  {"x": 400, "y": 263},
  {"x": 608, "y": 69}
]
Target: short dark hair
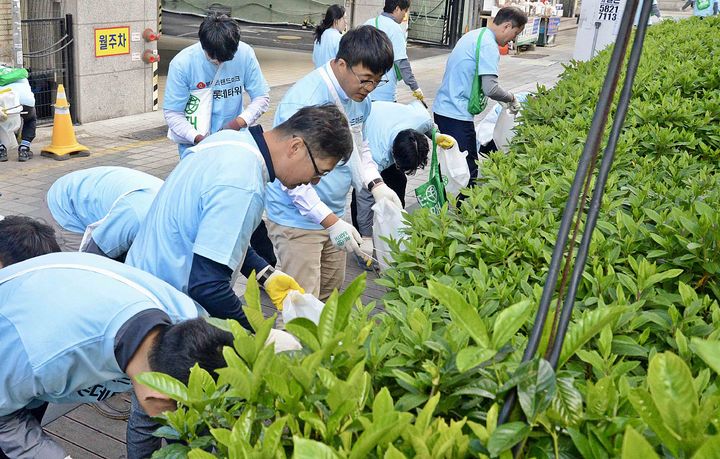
[
  {"x": 333, "y": 13},
  {"x": 367, "y": 46},
  {"x": 178, "y": 347},
  {"x": 324, "y": 128},
  {"x": 219, "y": 36},
  {"x": 511, "y": 14},
  {"x": 390, "y": 5},
  {"x": 410, "y": 150},
  {"x": 23, "y": 237}
]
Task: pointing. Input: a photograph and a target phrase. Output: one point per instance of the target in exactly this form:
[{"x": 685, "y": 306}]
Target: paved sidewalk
[{"x": 139, "y": 142}]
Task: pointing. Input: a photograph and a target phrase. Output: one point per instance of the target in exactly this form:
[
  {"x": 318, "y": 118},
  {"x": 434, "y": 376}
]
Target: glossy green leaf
[
  {"x": 672, "y": 390},
  {"x": 461, "y": 312},
  {"x": 509, "y": 321},
  {"x": 635, "y": 446},
  {"x": 709, "y": 351},
  {"x": 166, "y": 385},
  {"x": 471, "y": 357},
  {"x": 506, "y": 436}
]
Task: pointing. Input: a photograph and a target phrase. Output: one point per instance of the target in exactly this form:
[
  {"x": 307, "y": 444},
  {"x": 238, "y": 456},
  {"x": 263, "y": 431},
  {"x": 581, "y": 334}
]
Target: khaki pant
[{"x": 309, "y": 257}]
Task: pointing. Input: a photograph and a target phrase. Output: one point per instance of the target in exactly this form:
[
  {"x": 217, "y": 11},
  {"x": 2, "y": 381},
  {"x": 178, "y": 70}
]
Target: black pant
[
  {"x": 38, "y": 414},
  {"x": 29, "y": 122},
  {"x": 395, "y": 179},
  {"x": 464, "y": 134}
]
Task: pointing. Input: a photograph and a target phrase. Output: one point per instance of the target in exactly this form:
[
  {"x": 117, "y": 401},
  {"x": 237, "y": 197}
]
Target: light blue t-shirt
[
  {"x": 327, "y": 48},
  {"x": 386, "y": 120},
  {"x": 704, "y": 8},
  {"x": 397, "y": 38},
  {"x": 209, "y": 205},
  {"x": 60, "y": 317},
  {"x": 119, "y": 195},
  {"x": 191, "y": 70},
  {"x": 334, "y": 187},
  {"x": 454, "y": 92}
]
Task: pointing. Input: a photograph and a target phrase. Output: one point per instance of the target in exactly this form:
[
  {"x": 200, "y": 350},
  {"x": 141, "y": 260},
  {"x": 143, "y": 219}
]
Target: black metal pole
[
  {"x": 592, "y": 145},
  {"x": 70, "y": 72},
  {"x": 604, "y": 171}
]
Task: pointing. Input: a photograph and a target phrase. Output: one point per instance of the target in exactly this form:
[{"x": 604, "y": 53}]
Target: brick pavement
[{"x": 139, "y": 142}]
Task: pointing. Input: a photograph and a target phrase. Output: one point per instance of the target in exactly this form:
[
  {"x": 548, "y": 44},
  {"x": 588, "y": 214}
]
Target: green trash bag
[
  {"x": 431, "y": 194},
  {"x": 11, "y": 75},
  {"x": 477, "y": 101}
]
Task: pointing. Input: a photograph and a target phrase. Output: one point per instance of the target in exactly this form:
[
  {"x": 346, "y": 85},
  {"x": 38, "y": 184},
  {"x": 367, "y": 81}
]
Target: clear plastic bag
[
  {"x": 388, "y": 222},
  {"x": 504, "y": 130},
  {"x": 454, "y": 168},
  {"x": 304, "y": 305}
]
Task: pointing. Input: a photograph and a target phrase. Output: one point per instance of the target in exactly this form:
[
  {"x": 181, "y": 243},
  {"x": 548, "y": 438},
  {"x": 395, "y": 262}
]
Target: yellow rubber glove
[
  {"x": 444, "y": 141},
  {"x": 278, "y": 285},
  {"x": 418, "y": 94}
]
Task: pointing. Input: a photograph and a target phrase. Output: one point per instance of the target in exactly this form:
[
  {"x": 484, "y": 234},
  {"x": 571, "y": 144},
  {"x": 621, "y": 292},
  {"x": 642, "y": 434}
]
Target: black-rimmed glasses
[
  {"x": 318, "y": 173},
  {"x": 368, "y": 84}
]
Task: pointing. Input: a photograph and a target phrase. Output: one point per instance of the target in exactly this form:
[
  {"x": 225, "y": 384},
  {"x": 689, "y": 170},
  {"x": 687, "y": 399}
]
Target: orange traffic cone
[{"x": 64, "y": 144}]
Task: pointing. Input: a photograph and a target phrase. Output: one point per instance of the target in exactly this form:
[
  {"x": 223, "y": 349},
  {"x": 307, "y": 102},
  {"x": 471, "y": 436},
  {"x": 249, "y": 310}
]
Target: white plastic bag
[
  {"x": 10, "y": 101},
  {"x": 283, "y": 340},
  {"x": 388, "y": 222},
  {"x": 484, "y": 129},
  {"x": 454, "y": 168},
  {"x": 355, "y": 162},
  {"x": 504, "y": 130},
  {"x": 305, "y": 305}
]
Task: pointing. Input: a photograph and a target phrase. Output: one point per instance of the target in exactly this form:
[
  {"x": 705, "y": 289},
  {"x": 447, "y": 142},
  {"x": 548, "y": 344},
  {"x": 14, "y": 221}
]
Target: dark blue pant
[{"x": 464, "y": 134}]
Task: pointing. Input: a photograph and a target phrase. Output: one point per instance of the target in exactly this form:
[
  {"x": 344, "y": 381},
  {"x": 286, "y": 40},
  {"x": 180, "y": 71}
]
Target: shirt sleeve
[
  {"x": 307, "y": 202},
  {"x": 407, "y": 73},
  {"x": 176, "y": 88},
  {"x": 179, "y": 126},
  {"x": 399, "y": 45},
  {"x": 255, "y": 109},
  {"x": 489, "y": 56},
  {"x": 228, "y": 217},
  {"x": 252, "y": 262},
  {"x": 369, "y": 166},
  {"x": 210, "y": 284}
]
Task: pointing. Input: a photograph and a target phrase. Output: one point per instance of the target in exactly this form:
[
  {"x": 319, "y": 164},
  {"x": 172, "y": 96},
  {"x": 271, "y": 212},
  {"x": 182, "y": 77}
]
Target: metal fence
[
  {"x": 48, "y": 55},
  {"x": 436, "y": 22}
]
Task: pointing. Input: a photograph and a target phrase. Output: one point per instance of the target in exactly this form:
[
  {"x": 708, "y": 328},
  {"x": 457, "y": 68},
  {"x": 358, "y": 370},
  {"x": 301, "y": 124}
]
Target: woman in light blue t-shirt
[{"x": 327, "y": 35}]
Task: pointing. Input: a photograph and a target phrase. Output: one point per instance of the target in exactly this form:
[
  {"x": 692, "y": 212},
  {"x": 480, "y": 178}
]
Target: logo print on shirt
[{"x": 201, "y": 85}]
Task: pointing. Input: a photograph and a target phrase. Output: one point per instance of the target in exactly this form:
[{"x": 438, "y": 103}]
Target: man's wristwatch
[
  {"x": 374, "y": 183},
  {"x": 262, "y": 278}
]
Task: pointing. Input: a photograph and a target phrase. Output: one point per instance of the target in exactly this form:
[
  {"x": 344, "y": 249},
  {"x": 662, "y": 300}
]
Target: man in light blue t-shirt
[
  {"x": 219, "y": 57},
  {"x": 398, "y": 135},
  {"x": 389, "y": 22},
  {"x": 450, "y": 107},
  {"x": 106, "y": 203},
  {"x": 102, "y": 323},
  {"x": 310, "y": 237}
]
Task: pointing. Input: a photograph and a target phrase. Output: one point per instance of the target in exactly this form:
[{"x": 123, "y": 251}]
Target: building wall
[
  {"x": 113, "y": 86},
  {"x": 364, "y": 10},
  {"x": 6, "y": 37}
]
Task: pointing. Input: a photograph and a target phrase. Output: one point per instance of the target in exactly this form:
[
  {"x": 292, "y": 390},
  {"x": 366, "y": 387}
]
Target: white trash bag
[
  {"x": 304, "y": 305},
  {"x": 454, "y": 168},
  {"x": 388, "y": 222},
  {"x": 283, "y": 340},
  {"x": 10, "y": 101},
  {"x": 504, "y": 130}
]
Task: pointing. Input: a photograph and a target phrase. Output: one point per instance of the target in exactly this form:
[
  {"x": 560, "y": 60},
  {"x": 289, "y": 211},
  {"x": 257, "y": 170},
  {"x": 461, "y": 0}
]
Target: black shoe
[
  {"x": 3, "y": 154},
  {"x": 24, "y": 153}
]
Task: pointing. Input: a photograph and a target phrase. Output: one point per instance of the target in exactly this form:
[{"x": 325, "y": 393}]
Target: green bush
[{"x": 638, "y": 370}]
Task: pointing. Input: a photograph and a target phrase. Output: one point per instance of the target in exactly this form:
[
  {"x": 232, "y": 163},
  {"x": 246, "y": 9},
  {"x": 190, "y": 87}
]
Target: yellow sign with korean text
[{"x": 112, "y": 41}]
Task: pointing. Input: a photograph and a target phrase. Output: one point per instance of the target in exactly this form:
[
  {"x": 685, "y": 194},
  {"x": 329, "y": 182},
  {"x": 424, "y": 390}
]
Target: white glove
[
  {"x": 344, "y": 236},
  {"x": 367, "y": 247},
  {"x": 382, "y": 191},
  {"x": 514, "y": 106}
]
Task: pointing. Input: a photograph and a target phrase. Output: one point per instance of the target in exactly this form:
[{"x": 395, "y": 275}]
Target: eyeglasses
[
  {"x": 368, "y": 84},
  {"x": 318, "y": 173}
]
